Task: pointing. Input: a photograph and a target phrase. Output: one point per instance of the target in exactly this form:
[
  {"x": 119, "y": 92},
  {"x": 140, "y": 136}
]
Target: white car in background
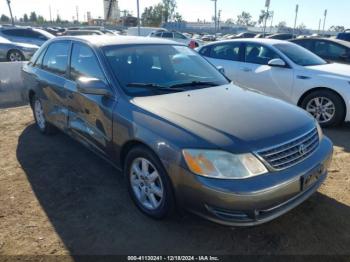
[
  {"x": 286, "y": 71},
  {"x": 177, "y": 37}
]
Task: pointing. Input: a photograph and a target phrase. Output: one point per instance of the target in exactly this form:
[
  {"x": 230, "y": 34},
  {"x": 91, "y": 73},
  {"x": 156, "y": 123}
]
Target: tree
[
  {"x": 25, "y": 18},
  {"x": 33, "y": 17},
  {"x": 178, "y": 17},
  {"x": 152, "y": 16},
  {"x": 58, "y": 19},
  {"x": 337, "y": 28},
  {"x": 282, "y": 25},
  {"x": 264, "y": 15},
  {"x": 229, "y": 21},
  {"x": 301, "y": 27},
  {"x": 245, "y": 19},
  {"x": 4, "y": 18},
  {"x": 41, "y": 19},
  {"x": 169, "y": 7}
]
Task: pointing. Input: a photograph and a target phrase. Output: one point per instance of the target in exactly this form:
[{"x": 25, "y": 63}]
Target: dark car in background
[
  {"x": 332, "y": 50},
  {"x": 180, "y": 131},
  {"x": 344, "y": 36},
  {"x": 280, "y": 36}
]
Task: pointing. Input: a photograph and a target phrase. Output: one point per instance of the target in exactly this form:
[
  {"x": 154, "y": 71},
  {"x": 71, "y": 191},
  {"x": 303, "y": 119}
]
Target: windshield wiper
[
  {"x": 194, "y": 83},
  {"x": 154, "y": 86}
]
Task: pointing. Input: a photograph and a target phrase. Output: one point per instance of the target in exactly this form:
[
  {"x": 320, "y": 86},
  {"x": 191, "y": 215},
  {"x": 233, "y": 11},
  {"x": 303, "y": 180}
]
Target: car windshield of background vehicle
[
  {"x": 145, "y": 70},
  {"x": 300, "y": 55}
]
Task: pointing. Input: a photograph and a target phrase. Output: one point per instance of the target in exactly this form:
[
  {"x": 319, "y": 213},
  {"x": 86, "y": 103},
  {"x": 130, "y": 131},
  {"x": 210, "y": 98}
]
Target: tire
[
  {"x": 15, "y": 55},
  {"x": 164, "y": 205},
  {"x": 328, "y": 116},
  {"x": 39, "y": 117}
]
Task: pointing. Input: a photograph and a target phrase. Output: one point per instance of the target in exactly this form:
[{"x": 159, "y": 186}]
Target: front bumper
[{"x": 256, "y": 200}]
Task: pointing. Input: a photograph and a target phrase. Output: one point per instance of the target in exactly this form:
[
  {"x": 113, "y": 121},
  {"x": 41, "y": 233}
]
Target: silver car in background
[{"x": 12, "y": 52}]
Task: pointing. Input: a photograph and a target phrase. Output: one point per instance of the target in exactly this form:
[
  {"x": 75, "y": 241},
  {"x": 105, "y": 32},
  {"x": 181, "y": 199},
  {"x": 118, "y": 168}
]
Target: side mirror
[
  {"x": 93, "y": 86},
  {"x": 221, "y": 69},
  {"x": 277, "y": 63}
]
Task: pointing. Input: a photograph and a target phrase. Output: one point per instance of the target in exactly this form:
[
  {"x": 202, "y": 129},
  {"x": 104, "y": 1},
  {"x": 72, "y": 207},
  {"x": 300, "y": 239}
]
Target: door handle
[{"x": 246, "y": 69}]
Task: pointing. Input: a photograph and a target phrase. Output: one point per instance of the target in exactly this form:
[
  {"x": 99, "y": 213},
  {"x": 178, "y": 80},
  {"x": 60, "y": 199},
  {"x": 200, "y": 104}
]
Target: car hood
[
  {"x": 230, "y": 117},
  {"x": 332, "y": 70}
]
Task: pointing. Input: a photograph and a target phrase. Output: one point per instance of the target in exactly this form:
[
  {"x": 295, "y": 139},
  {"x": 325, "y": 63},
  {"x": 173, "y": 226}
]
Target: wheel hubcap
[
  {"x": 146, "y": 183},
  {"x": 39, "y": 114},
  {"x": 322, "y": 108},
  {"x": 15, "y": 56}
]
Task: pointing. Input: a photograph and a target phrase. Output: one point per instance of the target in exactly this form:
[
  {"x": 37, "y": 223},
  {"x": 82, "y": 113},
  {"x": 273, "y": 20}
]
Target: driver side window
[{"x": 259, "y": 54}]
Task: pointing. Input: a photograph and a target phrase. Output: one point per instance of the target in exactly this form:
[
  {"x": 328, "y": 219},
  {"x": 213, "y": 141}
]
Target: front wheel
[
  {"x": 148, "y": 183},
  {"x": 326, "y": 106},
  {"x": 14, "y": 56}
]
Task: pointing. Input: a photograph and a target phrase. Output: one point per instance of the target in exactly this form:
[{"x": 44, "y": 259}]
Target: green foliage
[
  {"x": 245, "y": 19},
  {"x": 162, "y": 12},
  {"x": 25, "y": 18},
  {"x": 33, "y": 17},
  {"x": 4, "y": 18}
]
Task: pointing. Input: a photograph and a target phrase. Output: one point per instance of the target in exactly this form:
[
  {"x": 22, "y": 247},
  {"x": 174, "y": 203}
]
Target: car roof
[
  {"x": 108, "y": 40},
  {"x": 252, "y": 40}
]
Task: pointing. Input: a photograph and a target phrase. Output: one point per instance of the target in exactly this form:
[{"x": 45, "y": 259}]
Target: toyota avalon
[{"x": 183, "y": 135}]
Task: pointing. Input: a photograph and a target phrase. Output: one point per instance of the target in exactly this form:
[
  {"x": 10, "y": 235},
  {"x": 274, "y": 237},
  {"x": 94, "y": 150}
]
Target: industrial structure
[{"x": 111, "y": 10}]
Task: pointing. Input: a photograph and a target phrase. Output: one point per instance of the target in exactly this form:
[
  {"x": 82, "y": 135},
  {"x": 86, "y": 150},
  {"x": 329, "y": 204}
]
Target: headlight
[
  {"x": 223, "y": 165},
  {"x": 319, "y": 130}
]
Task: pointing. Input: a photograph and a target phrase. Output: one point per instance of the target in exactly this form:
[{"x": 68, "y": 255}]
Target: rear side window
[
  {"x": 84, "y": 63},
  {"x": 259, "y": 54},
  {"x": 56, "y": 58},
  {"x": 167, "y": 35},
  {"x": 329, "y": 50},
  {"x": 305, "y": 43},
  {"x": 14, "y": 32},
  {"x": 228, "y": 51}
]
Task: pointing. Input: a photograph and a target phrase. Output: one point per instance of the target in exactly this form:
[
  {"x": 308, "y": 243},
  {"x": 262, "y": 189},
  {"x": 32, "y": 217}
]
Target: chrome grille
[{"x": 288, "y": 154}]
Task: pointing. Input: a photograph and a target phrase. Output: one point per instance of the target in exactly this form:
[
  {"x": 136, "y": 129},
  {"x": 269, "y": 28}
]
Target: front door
[
  {"x": 90, "y": 117},
  {"x": 255, "y": 73}
]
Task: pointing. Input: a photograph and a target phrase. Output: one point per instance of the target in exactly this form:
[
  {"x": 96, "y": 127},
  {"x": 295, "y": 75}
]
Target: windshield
[
  {"x": 144, "y": 70},
  {"x": 300, "y": 55}
]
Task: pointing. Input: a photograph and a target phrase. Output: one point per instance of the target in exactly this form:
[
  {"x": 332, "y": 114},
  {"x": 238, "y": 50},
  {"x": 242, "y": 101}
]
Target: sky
[{"x": 310, "y": 11}]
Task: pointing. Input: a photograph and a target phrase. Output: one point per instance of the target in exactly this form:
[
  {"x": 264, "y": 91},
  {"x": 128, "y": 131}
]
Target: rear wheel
[
  {"x": 148, "y": 183},
  {"x": 39, "y": 116},
  {"x": 326, "y": 106},
  {"x": 15, "y": 55}
]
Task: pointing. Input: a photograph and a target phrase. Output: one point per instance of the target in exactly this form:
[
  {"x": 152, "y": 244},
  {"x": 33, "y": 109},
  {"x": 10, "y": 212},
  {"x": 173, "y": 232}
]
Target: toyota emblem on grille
[{"x": 302, "y": 150}]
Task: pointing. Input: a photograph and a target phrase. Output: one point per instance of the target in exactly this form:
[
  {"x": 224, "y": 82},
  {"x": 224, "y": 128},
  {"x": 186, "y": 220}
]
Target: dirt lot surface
[{"x": 56, "y": 197}]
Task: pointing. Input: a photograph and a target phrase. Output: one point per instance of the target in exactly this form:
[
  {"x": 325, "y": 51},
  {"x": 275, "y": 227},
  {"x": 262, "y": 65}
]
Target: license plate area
[{"x": 311, "y": 178}]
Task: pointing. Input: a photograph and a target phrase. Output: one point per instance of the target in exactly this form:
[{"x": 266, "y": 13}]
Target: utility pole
[
  {"x": 272, "y": 16},
  {"x": 267, "y": 5},
  {"x": 50, "y": 13},
  {"x": 296, "y": 18},
  {"x": 215, "y": 15},
  {"x": 77, "y": 11},
  {"x": 219, "y": 16},
  {"x": 319, "y": 26},
  {"x": 9, "y": 4},
  {"x": 324, "y": 21},
  {"x": 138, "y": 18}
]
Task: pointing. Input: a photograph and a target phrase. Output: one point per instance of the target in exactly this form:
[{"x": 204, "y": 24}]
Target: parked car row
[
  {"x": 183, "y": 134},
  {"x": 286, "y": 71}
]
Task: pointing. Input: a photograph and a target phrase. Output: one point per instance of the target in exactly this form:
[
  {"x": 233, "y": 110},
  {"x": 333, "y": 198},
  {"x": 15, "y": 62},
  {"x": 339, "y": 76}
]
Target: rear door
[
  {"x": 52, "y": 78},
  {"x": 227, "y": 55},
  {"x": 255, "y": 73},
  {"x": 90, "y": 116}
]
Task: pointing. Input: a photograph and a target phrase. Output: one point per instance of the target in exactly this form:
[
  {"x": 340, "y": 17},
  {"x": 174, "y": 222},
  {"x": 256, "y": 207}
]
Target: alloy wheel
[
  {"x": 146, "y": 183},
  {"x": 322, "y": 108},
  {"x": 15, "y": 56},
  {"x": 39, "y": 114}
]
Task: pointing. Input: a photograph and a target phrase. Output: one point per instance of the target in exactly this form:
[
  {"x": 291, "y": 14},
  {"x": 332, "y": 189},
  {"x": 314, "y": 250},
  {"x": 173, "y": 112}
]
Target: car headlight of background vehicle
[{"x": 223, "y": 165}]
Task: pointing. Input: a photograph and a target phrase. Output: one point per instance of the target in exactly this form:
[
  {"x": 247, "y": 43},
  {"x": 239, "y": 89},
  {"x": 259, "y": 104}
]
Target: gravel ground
[{"x": 56, "y": 197}]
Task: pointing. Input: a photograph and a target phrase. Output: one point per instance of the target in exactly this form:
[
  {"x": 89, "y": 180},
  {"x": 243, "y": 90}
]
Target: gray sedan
[
  {"x": 12, "y": 52},
  {"x": 181, "y": 132}
]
